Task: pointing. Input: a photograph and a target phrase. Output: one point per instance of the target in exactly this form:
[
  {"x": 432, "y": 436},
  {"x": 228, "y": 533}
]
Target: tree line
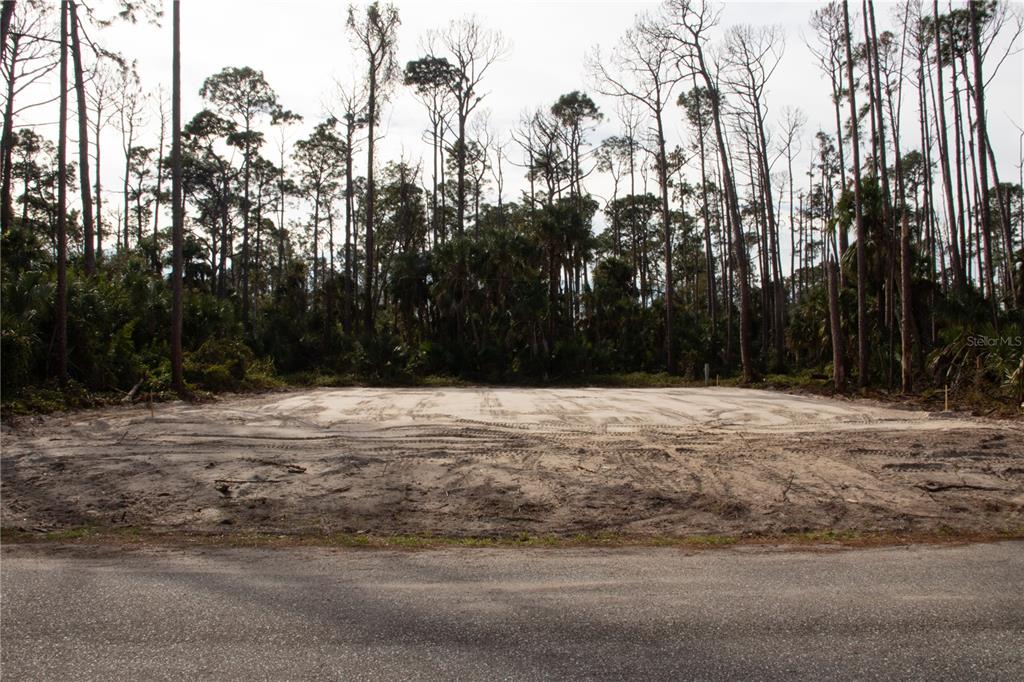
[{"x": 884, "y": 265}]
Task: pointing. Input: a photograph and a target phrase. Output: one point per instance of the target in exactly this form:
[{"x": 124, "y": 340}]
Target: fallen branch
[
  {"x": 789, "y": 485},
  {"x": 239, "y": 480},
  {"x": 939, "y": 487},
  {"x": 135, "y": 389},
  {"x": 291, "y": 468}
]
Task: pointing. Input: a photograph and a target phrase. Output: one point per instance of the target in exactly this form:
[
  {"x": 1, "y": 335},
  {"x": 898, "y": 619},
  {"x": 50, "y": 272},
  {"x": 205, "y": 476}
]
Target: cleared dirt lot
[{"x": 498, "y": 461}]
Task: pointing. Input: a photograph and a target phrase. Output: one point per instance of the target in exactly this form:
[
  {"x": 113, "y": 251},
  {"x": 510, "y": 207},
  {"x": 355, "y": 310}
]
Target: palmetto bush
[{"x": 980, "y": 357}]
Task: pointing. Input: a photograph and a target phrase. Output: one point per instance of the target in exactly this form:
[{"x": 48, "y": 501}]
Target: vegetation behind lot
[{"x": 327, "y": 265}]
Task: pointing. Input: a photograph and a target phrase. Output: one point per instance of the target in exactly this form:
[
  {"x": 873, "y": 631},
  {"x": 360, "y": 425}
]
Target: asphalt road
[{"x": 896, "y": 613}]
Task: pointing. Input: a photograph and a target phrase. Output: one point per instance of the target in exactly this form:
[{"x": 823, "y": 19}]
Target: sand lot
[{"x": 482, "y": 461}]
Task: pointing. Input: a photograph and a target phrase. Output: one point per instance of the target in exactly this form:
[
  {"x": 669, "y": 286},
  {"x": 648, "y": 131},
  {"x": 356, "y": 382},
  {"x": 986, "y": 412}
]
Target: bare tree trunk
[
  {"x": 862, "y": 269},
  {"x": 725, "y": 221},
  {"x": 959, "y": 161},
  {"x": 124, "y": 188},
  {"x": 159, "y": 185},
  {"x": 6, "y": 193},
  {"x": 444, "y": 199},
  {"x": 177, "y": 211},
  {"x": 835, "y": 325},
  {"x": 7, "y": 145},
  {"x": 368, "y": 245},
  {"x": 906, "y": 317},
  {"x": 802, "y": 248},
  {"x": 666, "y": 221},
  {"x": 1004, "y": 220},
  {"x": 956, "y": 263},
  {"x": 5, "y": 25},
  {"x": 908, "y": 325},
  {"x": 246, "y": 210},
  {"x": 62, "y": 198},
  {"x": 329, "y": 279},
  {"x": 460, "y": 156},
  {"x": 708, "y": 256},
  {"x": 792, "y": 223},
  {"x": 982, "y": 137},
  {"x": 876, "y": 99},
  {"x": 316, "y": 242},
  {"x": 258, "y": 280},
  {"x": 434, "y": 216},
  {"x": 83, "y": 143},
  {"x": 776, "y": 291},
  {"x": 837, "y": 93},
  {"x": 225, "y": 244},
  {"x": 738, "y": 243},
  {"x": 99, "y": 183},
  {"x": 929, "y": 195},
  {"x": 877, "y": 103},
  {"x": 349, "y": 223},
  {"x": 280, "y": 218}
]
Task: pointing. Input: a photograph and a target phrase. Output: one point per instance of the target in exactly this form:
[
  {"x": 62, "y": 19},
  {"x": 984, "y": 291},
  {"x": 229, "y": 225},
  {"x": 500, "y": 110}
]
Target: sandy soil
[{"x": 498, "y": 461}]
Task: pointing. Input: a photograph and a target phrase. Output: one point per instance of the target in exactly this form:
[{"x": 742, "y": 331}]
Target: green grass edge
[{"x": 134, "y": 536}]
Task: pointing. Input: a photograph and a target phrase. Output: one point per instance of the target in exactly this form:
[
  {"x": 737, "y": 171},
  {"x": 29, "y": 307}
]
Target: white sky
[{"x": 302, "y": 47}]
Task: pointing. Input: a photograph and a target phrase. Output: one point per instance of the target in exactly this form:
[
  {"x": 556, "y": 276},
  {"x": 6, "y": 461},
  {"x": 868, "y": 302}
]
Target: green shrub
[{"x": 219, "y": 365}]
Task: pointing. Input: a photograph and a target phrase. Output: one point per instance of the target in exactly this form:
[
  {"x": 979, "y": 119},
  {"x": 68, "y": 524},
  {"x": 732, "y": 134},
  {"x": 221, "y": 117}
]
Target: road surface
[{"x": 899, "y": 613}]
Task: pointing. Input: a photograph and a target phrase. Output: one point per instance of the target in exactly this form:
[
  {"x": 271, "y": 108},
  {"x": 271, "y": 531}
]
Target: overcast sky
[{"x": 302, "y": 48}]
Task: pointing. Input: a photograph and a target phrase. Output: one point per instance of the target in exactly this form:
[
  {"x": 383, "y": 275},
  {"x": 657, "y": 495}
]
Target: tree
[
  {"x": 211, "y": 179},
  {"x": 352, "y": 101},
  {"x": 687, "y": 24},
  {"x": 434, "y": 80},
  {"x": 827, "y": 23},
  {"x": 575, "y": 111},
  {"x": 320, "y": 159},
  {"x": 35, "y": 165},
  {"x": 982, "y": 137},
  {"x": 6, "y": 14},
  {"x": 643, "y": 69},
  {"x": 140, "y": 190},
  {"x": 956, "y": 261},
  {"x": 266, "y": 180},
  {"x": 158, "y": 190},
  {"x": 285, "y": 188},
  {"x": 177, "y": 209},
  {"x": 83, "y": 142},
  {"x": 480, "y": 279},
  {"x": 890, "y": 78},
  {"x": 377, "y": 35},
  {"x": 62, "y": 200},
  {"x": 751, "y": 57},
  {"x": 101, "y": 96},
  {"x": 130, "y": 109},
  {"x": 244, "y": 96},
  {"x": 697, "y": 105},
  {"x": 835, "y": 327},
  {"x": 862, "y": 263},
  {"x": 472, "y": 51},
  {"x": 28, "y": 56}
]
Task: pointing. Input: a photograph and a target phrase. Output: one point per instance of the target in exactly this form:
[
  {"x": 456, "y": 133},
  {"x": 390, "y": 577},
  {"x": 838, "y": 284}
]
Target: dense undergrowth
[{"x": 118, "y": 340}]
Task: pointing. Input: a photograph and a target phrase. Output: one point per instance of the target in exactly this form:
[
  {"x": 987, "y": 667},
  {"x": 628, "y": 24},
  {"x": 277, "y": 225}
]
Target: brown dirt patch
[{"x": 485, "y": 462}]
